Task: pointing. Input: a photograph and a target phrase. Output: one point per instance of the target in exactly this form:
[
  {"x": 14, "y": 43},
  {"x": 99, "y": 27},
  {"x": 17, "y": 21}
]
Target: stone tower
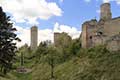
[
  {"x": 56, "y": 37},
  {"x": 61, "y": 39},
  {"x": 105, "y": 12},
  {"x": 34, "y": 37}
]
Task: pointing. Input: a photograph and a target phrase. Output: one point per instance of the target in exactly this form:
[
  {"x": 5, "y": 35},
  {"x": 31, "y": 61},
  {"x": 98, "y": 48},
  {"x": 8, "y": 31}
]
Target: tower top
[
  {"x": 105, "y": 4},
  {"x": 34, "y": 26},
  {"x": 105, "y": 12}
]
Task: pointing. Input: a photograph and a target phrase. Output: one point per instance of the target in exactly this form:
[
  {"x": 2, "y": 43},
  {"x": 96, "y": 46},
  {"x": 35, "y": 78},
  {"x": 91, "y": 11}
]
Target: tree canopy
[{"x": 7, "y": 42}]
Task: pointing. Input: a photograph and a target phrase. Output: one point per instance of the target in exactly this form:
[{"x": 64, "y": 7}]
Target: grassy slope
[
  {"x": 92, "y": 66},
  {"x": 69, "y": 70}
]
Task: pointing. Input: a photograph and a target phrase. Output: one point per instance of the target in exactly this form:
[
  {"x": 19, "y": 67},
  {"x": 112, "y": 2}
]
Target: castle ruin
[
  {"x": 106, "y": 31},
  {"x": 34, "y": 37}
]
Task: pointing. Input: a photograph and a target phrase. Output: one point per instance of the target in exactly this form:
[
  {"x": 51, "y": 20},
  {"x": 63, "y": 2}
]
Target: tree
[
  {"x": 42, "y": 50},
  {"x": 22, "y": 59},
  {"x": 25, "y": 49},
  {"x": 7, "y": 42},
  {"x": 75, "y": 46},
  {"x": 51, "y": 58}
]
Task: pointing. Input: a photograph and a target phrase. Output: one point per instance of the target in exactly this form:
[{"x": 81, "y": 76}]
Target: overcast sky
[{"x": 53, "y": 16}]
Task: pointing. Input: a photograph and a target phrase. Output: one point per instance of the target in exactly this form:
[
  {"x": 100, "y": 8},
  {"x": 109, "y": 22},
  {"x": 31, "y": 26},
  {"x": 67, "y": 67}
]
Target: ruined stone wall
[
  {"x": 97, "y": 40},
  {"x": 99, "y": 33},
  {"x": 88, "y": 30},
  {"x": 112, "y": 27},
  {"x": 56, "y": 38},
  {"x": 84, "y": 36},
  {"x": 114, "y": 45},
  {"x": 34, "y": 37},
  {"x": 62, "y": 39}
]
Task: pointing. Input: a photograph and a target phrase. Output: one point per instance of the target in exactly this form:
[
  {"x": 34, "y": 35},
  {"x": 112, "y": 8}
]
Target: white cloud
[
  {"x": 106, "y": 1},
  {"x": 46, "y": 34},
  {"x": 30, "y": 10},
  {"x": 98, "y": 11},
  {"x": 117, "y": 1},
  {"x": 24, "y": 35}
]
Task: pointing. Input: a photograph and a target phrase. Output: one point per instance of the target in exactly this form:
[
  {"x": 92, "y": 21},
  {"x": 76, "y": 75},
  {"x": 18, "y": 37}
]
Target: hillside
[
  {"x": 87, "y": 67},
  {"x": 93, "y": 64}
]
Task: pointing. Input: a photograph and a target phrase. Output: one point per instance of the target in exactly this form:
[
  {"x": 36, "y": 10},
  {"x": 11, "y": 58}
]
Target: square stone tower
[{"x": 34, "y": 37}]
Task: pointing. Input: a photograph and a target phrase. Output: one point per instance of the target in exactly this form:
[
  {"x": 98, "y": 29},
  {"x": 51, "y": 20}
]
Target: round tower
[
  {"x": 34, "y": 37},
  {"x": 105, "y": 11}
]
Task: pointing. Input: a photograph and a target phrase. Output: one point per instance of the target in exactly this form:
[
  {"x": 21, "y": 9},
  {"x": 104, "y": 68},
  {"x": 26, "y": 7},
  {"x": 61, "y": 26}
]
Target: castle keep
[{"x": 106, "y": 31}]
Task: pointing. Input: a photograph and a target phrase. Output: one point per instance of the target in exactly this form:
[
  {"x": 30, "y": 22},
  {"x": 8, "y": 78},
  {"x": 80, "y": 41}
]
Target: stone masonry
[
  {"x": 106, "y": 31},
  {"x": 34, "y": 37},
  {"x": 62, "y": 39}
]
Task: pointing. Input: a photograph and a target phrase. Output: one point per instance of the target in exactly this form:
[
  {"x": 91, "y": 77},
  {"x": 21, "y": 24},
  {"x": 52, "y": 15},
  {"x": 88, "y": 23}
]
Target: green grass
[
  {"x": 69, "y": 70},
  {"x": 94, "y": 64},
  {"x": 22, "y": 76}
]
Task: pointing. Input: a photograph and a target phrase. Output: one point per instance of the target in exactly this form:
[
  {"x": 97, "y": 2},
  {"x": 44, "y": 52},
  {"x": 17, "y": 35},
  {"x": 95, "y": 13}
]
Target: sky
[{"x": 53, "y": 16}]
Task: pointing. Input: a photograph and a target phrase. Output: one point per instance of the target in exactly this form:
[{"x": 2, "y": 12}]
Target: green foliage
[
  {"x": 7, "y": 46},
  {"x": 22, "y": 76},
  {"x": 51, "y": 58},
  {"x": 73, "y": 63},
  {"x": 75, "y": 46},
  {"x": 41, "y": 51},
  {"x": 90, "y": 64},
  {"x": 104, "y": 64},
  {"x": 70, "y": 50},
  {"x": 22, "y": 59},
  {"x": 25, "y": 49}
]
